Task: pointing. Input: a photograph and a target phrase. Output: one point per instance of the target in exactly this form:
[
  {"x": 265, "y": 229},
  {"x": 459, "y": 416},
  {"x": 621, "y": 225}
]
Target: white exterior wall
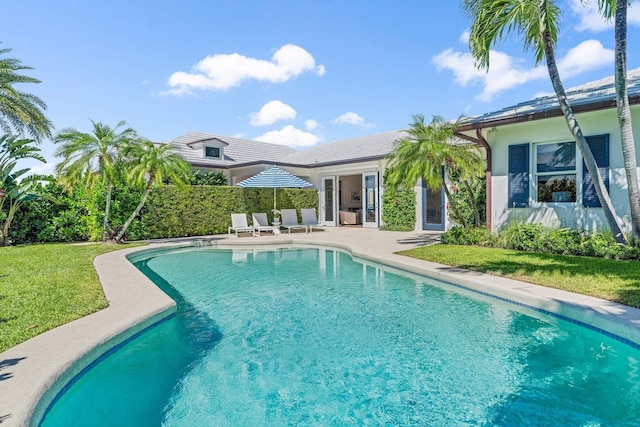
[{"x": 570, "y": 215}]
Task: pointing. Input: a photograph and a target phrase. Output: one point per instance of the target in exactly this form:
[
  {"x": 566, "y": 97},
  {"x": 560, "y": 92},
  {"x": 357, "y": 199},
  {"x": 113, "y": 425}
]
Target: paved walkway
[{"x": 39, "y": 367}]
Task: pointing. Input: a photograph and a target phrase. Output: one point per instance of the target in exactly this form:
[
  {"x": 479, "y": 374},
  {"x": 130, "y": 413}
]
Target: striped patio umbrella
[{"x": 275, "y": 178}]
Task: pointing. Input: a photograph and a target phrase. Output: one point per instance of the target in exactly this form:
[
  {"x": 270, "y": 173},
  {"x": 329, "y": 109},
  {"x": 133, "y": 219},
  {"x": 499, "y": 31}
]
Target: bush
[
  {"x": 467, "y": 236},
  {"x": 60, "y": 216},
  {"x": 399, "y": 209},
  {"x": 203, "y": 210},
  {"x": 562, "y": 241},
  {"x": 537, "y": 238},
  {"x": 523, "y": 237}
]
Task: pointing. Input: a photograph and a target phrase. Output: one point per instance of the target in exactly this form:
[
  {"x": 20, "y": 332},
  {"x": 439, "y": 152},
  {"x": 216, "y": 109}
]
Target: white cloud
[
  {"x": 464, "y": 37},
  {"x": 588, "y": 55},
  {"x": 239, "y": 135},
  {"x": 311, "y": 124},
  {"x": 351, "y": 118},
  {"x": 290, "y": 136},
  {"x": 145, "y": 82},
  {"x": 271, "y": 112},
  {"x": 507, "y": 72},
  {"x": 590, "y": 19},
  {"x": 42, "y": 169},
  {"x": 224, "y": 71}
]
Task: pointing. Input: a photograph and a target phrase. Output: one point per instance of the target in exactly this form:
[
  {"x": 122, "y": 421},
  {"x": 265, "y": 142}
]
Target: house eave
[
  {"x": 293, "y": 165},
  {"x": 546, "y": 114}
]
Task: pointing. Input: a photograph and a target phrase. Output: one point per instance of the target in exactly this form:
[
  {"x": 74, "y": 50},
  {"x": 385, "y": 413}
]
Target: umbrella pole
[{"x": 274, "y": 199}]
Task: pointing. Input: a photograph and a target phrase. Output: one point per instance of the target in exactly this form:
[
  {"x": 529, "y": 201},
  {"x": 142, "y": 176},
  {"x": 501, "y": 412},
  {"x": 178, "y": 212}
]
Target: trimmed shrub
[
  {"x": 399, "y": 209},
  {"x": 203, "y": 210},
  {"x": 466, "y": 236}
]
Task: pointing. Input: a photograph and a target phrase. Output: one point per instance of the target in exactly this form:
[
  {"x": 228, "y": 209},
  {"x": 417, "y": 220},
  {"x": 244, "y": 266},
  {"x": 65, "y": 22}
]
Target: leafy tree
[
  {"x": 91, "y": 158},
  {"x": 209, "y": 178},
  {"x": 15, "y": 187},
  {"x": 20, "y": 111},
  {"x": 152, "y": 164},
  {"x": 426, "y": 151},
  {"x": 537, "y": 21}
]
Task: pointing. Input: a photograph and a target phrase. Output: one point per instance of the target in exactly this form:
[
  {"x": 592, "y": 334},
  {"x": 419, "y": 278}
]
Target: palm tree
[
  {"x": 427, "y": 149},
  {"x": 618, "y": 10},
  {"x": 538, "y": 22},
  {"x": 153, "y": 164},
  {"x": 15, "y": 187},
  {"x": 92, "y": 158},
  {"x": 20, "y": 111}
]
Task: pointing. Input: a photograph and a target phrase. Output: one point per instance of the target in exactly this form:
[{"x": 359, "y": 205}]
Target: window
[
  {"x": 519, "y": 176},
  {"x": 213, "y": 152},
  {"x": 600, "y": 148},
  {"x": 556, "y": 172}
]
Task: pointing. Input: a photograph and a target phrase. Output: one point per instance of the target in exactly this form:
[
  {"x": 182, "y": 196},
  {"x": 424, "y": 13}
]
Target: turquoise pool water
[{"x": 308, "y": 337}]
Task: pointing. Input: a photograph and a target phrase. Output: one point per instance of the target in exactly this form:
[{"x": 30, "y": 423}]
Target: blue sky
[{"x": 293, "y": 72}]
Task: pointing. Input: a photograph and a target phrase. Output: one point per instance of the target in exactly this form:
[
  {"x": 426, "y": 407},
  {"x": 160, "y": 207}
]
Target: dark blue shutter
[
  {"x": 600, "y": 148},
  {"x": 519, "y": 176}
]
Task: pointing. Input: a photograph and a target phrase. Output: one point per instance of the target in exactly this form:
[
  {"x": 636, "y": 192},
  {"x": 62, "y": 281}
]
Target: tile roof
[
  {"x": 238, "y": 151},
  {"x": 241, "y": 151},
  {"x": 360, "y": 148},
  {"x": 596, "y": 92}
]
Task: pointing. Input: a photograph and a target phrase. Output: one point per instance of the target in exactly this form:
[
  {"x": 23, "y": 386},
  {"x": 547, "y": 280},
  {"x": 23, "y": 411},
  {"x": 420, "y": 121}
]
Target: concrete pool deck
[{"x": 32, "y": 373}]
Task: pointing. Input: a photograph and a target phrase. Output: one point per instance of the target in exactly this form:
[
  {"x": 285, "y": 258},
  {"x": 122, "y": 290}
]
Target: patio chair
[
  {"x": 290, "y": 220},
  {"x": 310, "y": 218},
  {"x": 239, "y": 224},
  {"x": 261, "y": 223}
]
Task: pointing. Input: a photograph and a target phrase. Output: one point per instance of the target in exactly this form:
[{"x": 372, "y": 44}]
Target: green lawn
[
  {"x": 44, "y": 286},
  {"x": 608, "y": 279}
]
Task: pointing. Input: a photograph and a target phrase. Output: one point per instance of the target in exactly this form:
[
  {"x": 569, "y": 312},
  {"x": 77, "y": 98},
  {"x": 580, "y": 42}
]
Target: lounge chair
[
  {"x": 239, "y": 224},
  {"x": 261, "y": 223},
  {"x": 310, "y": 218},
  {"x": 290, "y": 220}
]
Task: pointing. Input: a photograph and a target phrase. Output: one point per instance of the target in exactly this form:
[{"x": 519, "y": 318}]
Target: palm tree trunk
[
  {"x": 13, "y": 208},
  {"x": 105, "y": 225},
  {"x": 453, "y": 205},
  {"x": 474, "y": 205},
  {"x": 624, "y": 117},
  {"x": 135, "y": 213},
  {"x": 581, "y": 142}
]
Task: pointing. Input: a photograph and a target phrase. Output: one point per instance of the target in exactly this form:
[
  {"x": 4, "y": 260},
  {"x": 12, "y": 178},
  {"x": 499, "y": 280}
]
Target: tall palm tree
[
  {"x": 153, "y": 164},
  {"x": 425, "y": 151},
  {"x": 618, "y": 10},
  {"x": 538, "y": 22},
  {"x": 92, "y": 158},
  {"x": 20, "y": 111}
]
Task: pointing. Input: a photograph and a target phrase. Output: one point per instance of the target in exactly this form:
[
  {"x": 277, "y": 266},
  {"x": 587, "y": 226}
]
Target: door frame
[
  {"x": 432, "y": 226},
  {"x": 376, "y": 200},
  {"x": 323, "y": 201}
]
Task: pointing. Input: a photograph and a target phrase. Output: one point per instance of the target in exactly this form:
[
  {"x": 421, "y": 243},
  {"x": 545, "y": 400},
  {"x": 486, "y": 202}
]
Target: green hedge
[
  {"x": 399, "y": 209},
  {"x": 59, "y": 216},
  {"x": 207, "y": 209}
]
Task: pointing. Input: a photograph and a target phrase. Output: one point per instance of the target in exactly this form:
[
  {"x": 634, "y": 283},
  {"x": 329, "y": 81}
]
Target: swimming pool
[{"x": 307, "y": 336}]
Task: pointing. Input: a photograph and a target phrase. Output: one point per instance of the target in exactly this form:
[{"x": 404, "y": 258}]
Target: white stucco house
[
  {"x": 534, "y": 171},
  {"x": 348, "y": 174}
]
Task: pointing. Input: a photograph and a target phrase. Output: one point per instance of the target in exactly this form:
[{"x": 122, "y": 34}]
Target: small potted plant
[{"x": 276, "y": 216}]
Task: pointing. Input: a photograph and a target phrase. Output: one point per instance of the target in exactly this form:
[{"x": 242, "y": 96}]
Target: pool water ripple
[{"x": 313, "y": 337}]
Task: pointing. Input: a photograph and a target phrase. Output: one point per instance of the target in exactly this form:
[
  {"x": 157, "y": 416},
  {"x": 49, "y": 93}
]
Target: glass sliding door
[{"x": 370, "y": 209}]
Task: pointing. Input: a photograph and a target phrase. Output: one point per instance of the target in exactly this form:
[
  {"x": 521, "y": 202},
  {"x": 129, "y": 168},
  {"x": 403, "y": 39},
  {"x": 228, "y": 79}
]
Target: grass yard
[
  {"x": 608, "y": 279},
  {"x": 44, "y": 286}
]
